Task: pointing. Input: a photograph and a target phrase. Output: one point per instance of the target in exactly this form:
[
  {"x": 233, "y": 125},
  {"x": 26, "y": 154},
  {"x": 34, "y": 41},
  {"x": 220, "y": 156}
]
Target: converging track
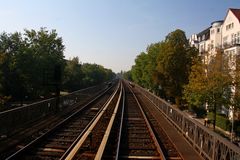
[
  {"x": 54, "y": 143},
  {"x": 133, "y": 136},
  {"x": 120, "y": 126},
  {"x": 137, "y": 140}
]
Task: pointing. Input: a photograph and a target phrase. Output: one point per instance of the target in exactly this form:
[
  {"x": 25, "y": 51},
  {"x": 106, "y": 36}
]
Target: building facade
[
  {"x": 223, "y": 35},
  {"x": 231, "y": 36}
]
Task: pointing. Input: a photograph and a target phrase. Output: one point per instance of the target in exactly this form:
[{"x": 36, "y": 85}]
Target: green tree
[
  {"x": 11, "y": 46},
  {"x": 139, "y": 70},
  {"x": 173, "y": 64},
  {"x": 95, "y": 74},
  {"x": 236, "y": 84},
  {"x": 128, "y": 75},
  {"x": 151, "y": 68},
  {"x": 47, "y": 50},
  {"x": 210, "y": 84},
  {"x": 73, "y": 75},
  {"x": 24, "y": 58}
]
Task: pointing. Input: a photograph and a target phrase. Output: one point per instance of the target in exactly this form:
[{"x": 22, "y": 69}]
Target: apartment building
[
  {"x": 223, "y": 34},
  {"x": 231, "y": 36}
]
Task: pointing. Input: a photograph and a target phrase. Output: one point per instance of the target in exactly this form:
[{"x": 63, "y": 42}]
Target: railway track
[
  {"x": 119, "y": 132},
  {"x": 137, "y": 139},
  {"x": 153, "y": 115},
  {"x": 21, "y": 136},
  {"x": 92, "y": 144},
  {"x": 122, "y": 127},
  {"x": 54, "y": 143}
]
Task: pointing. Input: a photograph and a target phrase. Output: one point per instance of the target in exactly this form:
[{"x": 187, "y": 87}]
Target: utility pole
[
  {"x": 232, "y": 118},
  {"x": 54, "y": 78},
  {"x": 57, "y": 79}
]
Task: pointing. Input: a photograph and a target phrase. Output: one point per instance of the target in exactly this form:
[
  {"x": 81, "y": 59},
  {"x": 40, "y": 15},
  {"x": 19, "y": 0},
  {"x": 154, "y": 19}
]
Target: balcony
[{"x": 230, "y": 45}]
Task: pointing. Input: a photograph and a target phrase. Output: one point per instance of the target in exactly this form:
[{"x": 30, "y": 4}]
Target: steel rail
[
  {"x": 162, "y": 156},
  {"x": 37, "y": 140},
  {"x": 107, "y": 132},
  {"x": 81, "y": 139},
  {"x": 121, "y": 125}
]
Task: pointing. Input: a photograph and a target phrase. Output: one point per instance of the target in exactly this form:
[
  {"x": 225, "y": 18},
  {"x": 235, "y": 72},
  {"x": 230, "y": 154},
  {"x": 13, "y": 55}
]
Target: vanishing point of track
[{"x": 112, "y": 128}]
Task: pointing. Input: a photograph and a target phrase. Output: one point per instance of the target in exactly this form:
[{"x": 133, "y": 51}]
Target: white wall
[{"x": 234, "y": 30}]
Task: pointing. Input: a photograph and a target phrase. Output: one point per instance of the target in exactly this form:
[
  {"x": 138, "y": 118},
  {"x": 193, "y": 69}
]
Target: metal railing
[
  {"x": 17, "y": 117},
  {"x": 206, "y": 142}
]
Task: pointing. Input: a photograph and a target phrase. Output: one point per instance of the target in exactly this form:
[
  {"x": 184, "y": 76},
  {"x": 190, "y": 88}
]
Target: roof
[
  {"x": 219, "y": 21},
  {"x": 205, "y": 32},
  {"x": 236, "y": 12}
]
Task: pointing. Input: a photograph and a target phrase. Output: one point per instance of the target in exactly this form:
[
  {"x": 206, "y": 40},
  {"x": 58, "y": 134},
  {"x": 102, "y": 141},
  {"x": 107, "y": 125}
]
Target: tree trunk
[
  {"x": 177, "y": 101},
  {"x": 214, "y": 115}
]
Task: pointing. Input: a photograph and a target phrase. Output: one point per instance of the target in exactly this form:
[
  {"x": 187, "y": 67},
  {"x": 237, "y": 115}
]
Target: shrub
[
  {"x": 200, "y": 111},
  {"x": 221, "y": 121}
]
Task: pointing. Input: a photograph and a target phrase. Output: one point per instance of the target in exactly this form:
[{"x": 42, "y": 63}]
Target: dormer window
[
  {"x": 203, "y": 37},
  {"x": 229, "y": 26}
]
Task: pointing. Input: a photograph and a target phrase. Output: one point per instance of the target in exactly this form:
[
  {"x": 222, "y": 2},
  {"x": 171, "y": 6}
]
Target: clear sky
[{"x": 111, "y": 32}]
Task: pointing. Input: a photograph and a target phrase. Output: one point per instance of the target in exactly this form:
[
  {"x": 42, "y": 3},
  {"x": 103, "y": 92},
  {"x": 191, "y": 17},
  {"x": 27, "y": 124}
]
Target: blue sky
[{"x": 111, "y": 32}]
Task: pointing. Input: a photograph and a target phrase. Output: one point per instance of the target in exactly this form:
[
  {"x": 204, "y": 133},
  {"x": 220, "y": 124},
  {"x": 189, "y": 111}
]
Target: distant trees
[
  {"x": 77, "y": 75},
  {"x": 28, "y": 60},
  {"x": 72, "y": 75},
  {"x": 166, "y": 66},
  {"x": 127, "y": 75},
  {"x": 139, "y": 70}
]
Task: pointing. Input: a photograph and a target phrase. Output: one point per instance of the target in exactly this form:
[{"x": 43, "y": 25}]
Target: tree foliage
[
  {"x": 165, "y": 66},
  {"x": 73, "y": 74},
  {"x": 95, "y": 74},
  {"x": 28, "y": 61},
  {"x": 210, "y": 84},
  {"x": 194, "y": 91},
  {"x": 77, "y": 75},
  {"x": 174, "y": 63},
  {"x": 236, "y": 84},
  {"x": 24, "y": 57}
]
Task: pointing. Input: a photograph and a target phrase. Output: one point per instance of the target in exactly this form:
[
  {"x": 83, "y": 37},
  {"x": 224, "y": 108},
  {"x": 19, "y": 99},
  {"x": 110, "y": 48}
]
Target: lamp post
[{"x": 231, "y": 117}]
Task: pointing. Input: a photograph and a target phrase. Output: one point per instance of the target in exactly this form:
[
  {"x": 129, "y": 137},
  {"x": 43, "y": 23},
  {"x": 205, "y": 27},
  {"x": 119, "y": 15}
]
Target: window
[
  {"x": 235, "y": 38},
  {"x": 225, "y": 39},
  {"x": 238, "y": 38},
  {"x": 203, "y": 37},
  {"x": 212, "y": 31},
  {"x": 218, "y": 30},
  {"x": 229, "y": 26}
]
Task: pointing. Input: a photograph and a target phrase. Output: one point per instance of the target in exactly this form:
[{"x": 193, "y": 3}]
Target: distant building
[
  {"x": 193, "y": 41},
  {"x": 203, "y": 44}
]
